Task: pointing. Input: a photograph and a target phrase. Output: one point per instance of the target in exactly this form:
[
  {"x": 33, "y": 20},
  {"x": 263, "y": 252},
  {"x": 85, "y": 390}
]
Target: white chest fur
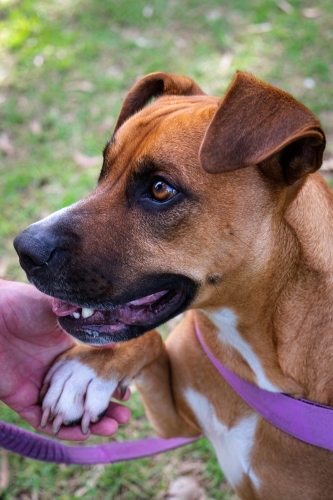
[
  {"x": 232, "y": 446},
  {"x": 226, "y": 322}
]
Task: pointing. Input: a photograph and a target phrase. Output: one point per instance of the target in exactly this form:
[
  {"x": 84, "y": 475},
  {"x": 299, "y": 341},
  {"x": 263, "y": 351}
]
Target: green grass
[
  {"x": 67, "y": 66},
  {"x": 141, "y": 479},
  {"x": 64, "y": 69}
]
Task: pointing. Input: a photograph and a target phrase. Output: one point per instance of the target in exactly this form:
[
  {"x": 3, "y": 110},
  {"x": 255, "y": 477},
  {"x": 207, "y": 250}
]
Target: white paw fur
[{"x": 75, "y": 393}]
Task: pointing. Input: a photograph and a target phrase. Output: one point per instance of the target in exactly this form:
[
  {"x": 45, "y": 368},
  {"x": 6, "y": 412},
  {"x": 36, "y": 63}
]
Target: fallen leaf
[
  {"x": 69, "y": 118},
  {"x": 148, "y": 11},
  {"x": 214, "y": 14},
  {"x": 142, "y": 42},
  {"x": 195, "y": 468},
  {"x": 260, "y": 28},
  {"x": 185, "y": 488},
  {"x": 38, "y": 60},
  {"x": 35, "y": 495},
  {"x": 115, "y": 72},
  {"x": 286, "y": 7},
  {"x": 94, "y": 474},
  {"x": 83, "y": 86},
  {"x": 4, "y": 470},
  {"x": 180, "y": 43},
  {"x": 81, "y": 492},
  {"x": 5, "y": 145},
  {"x": 86, "y": 161},
  {"x": 309, "y": 83},
  {"x": 35, "y": 127},
  {"x": 312, "y": 13},
  {"x": 226, "y": 61}
]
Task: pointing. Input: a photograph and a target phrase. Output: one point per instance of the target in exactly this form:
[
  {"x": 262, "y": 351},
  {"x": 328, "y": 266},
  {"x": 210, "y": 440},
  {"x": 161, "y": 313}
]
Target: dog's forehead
[
  {"x": 169, "y": 114},
  {"x": 159, "y": 129}
]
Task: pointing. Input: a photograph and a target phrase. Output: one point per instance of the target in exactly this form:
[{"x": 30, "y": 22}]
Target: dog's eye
[{"x": 161, "y": 191}]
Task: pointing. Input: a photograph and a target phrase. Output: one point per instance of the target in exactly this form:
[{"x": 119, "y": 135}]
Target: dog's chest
[
  {"x": 232, "y": 445},
  {"x": 226, "y": 322}
]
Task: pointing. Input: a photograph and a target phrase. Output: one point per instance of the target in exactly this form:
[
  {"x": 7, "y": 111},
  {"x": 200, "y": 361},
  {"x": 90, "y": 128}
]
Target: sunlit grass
[{"x": 65, "y": 67}]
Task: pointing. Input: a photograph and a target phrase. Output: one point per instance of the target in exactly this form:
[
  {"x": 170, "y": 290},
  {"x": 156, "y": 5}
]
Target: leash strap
[
  {"x": 305, "y": 420},
  {"x": 31, "y": 445}
]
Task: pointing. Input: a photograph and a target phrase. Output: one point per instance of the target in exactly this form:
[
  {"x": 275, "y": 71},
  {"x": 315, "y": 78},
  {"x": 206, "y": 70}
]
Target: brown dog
[{"x": 211, "y": 205}]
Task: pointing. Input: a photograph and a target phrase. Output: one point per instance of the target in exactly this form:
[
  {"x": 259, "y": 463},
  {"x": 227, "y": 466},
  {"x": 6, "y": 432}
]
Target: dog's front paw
[{"x": 72, "y": 393}]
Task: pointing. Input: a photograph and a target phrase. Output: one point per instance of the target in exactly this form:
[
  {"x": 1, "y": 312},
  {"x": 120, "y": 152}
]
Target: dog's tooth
[
  {"x": 86, "y": 312},
  {"x": 76, "y": 315}
]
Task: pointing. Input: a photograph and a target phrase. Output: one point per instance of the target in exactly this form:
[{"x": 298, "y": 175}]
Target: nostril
[
  {"x": 27, "y": 261},
  {"x": 31, "y": 250}
]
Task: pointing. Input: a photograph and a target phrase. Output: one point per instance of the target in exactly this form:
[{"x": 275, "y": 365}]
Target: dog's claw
[
  {"x": 43, "y": 391},
  {"x": 45, "y": 417},
  {"x": 122, "y": 388},
  {"x": 85, "y": 422},
  {"x": 57, "y": 422}
]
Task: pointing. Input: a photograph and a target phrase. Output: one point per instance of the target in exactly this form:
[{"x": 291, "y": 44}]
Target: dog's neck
[{"x": 283, "y": 327}]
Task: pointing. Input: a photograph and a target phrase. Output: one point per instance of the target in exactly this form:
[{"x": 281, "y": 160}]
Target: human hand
[{"x": 30, "y": 340}]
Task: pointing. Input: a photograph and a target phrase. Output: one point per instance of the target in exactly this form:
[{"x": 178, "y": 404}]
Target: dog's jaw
[{"x": 125, "y": 321}]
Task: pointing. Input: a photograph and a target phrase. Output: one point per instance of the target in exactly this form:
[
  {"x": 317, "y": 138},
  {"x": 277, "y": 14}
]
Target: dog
[{"x": 212, "y": 206}]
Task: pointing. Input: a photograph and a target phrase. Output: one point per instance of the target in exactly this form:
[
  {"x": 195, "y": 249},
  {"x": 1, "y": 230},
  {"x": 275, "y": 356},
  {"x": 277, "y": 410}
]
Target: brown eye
[{"x": 161, "y": 191}]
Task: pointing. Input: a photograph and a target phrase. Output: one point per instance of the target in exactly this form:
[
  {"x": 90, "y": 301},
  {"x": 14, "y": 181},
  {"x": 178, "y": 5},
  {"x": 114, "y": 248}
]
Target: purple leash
[
  {"x": 31, "y": 445},
  {"x": 305, "y": 420}
]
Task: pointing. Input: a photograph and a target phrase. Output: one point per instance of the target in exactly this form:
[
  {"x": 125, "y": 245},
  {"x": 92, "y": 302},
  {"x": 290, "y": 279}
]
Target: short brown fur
[{"x": 262, "y": 226}]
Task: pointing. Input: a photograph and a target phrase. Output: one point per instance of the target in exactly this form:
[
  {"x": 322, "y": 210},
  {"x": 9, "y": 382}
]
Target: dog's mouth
[{"x": 122, "y": 322}]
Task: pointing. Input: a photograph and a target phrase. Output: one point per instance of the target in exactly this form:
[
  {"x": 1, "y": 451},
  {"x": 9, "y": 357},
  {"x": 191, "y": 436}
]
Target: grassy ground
[
  {"x": 64, "y": 70},
  {"x": 141, "y": 479}
]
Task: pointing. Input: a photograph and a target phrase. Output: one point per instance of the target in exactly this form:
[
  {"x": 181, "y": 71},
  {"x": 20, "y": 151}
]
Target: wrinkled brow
[{"x": 143, "y": 169}]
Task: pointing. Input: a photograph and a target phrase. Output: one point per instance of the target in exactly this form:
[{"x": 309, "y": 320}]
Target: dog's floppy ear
[
  {"x": 255, "y": 122},
  {"x": 155, "y": 85}
]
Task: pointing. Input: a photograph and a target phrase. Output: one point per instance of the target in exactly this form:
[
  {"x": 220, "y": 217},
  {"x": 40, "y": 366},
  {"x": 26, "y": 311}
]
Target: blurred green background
[{"x": 65, "y": 67}]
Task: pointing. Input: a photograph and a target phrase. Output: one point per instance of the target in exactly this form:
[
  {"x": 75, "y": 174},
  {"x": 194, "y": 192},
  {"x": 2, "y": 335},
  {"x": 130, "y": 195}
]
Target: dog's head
[{"x": 188, "y": 185}]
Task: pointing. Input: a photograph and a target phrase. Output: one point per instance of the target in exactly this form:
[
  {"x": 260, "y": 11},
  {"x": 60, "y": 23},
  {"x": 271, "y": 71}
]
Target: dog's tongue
[
  {"x": 61, "y": 308},
  {"x": 125, "y": 311}
]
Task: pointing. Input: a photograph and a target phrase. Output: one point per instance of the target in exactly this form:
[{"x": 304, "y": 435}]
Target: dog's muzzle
[{"x": 91, "y": 311}]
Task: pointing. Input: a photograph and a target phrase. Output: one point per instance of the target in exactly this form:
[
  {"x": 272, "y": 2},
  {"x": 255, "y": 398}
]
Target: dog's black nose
[{"x": 31, "y": 250}]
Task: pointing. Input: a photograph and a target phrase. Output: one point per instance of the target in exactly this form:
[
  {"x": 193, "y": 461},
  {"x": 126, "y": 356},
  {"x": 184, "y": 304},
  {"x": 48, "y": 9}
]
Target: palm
[{"x": 30, "y": 340}]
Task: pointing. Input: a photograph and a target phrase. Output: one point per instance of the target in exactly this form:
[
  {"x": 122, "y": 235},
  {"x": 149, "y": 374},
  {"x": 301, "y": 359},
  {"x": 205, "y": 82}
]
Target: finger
[
  {"x": 34, "y": 415},
  {"x": 68, "y": 433},
  {"x": 118, "y": 412},
  {"x": 106, "y": 427}
]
